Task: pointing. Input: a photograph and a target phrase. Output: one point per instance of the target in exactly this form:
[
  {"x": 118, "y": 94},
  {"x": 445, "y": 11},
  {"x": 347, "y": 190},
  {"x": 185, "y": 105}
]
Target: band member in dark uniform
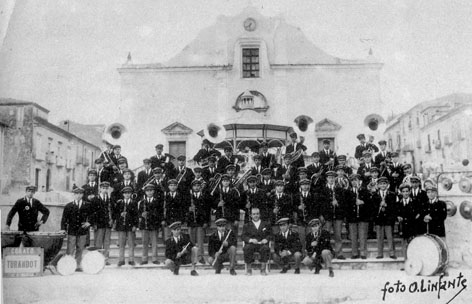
[
  {"x": 318, "y": 248},
  {"x": 268, "y": 159},
  {"x": 307, "y": 206},
  {"x": 126, "y": 182},
  {"x": 416, "y": 192},
  {"x": 396, "y": 173},
  {"x": 183, "y": 175},
  {"x": 198, "y": 216},
  {"x": 342, "y": 162},
  {"x": 150, "y": 217},
  {"x": 384, "y": 209},
  {"x": 210, "y": 171},
  {"x": 280, "y": 204},
  {"x": 127, "y": 220},
  {"x": 76, "y": 220},
  {"x": 287, "y": 247},
  {"x": 364, "y": 169},
  {"x": 332, "y": 209},
  {"x": 361, "y": 147},
  {"x": 175, "y": 206},
  {"x": 408, "y": 214},
  {"x": 383, "y": 155},
  {"x": 295, "y": 146},
  {"x": 103, "y": 173},
  {"x": 91, "y": 187},
  {"x": 163, "y": 161},
  {"x": 433, "y": 213},
  {"x": 256, "y": 236},
  {"x": 254, "y": 197},
  {"x": 267, "y": 185},
  {"x": 28, "y": 208},
  {"x": 226, "y": 202},
  {"x": 144, "y": 176},
  {"x": 180, "y": 250},
  {"x": 227, "y": 159},
  {"x": 288, "y": 174},
  {"x": 205, "y": 152},
  {"x": 328, "y": 158},
  {"x": 358, "y": 215},
  {"x": 116, "y": 155},
  {"x": 160, "y": 181},
  {"x": 222, "y": 246},
  {"x": 257, "y": 169},
  {"x": 103, "y": 219}
]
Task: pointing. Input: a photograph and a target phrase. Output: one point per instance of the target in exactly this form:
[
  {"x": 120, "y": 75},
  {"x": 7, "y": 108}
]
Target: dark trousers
[{"x": 250, "y": 249}]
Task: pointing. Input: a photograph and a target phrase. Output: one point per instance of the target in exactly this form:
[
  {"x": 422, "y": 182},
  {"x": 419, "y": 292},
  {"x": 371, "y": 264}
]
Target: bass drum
[
  {"x": 93, "y": 261},
  {"x": 429, "y": 251}
]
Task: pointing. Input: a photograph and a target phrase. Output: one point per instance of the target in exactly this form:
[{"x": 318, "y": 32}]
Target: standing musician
[
  {"x": 332, "y": 210},
  {"x": 211, "y": 170},
  {"x": 371, "y": 146},
  {"x": 233, "y": 175},
  {"x": 408, "y": 173},
  {"x": 396, "y": 173},
  {"x": 163, "y": 161},
  {"x": 91, "y": 187},
  {"x": 384, "y": 206},
  {"x": 307, "y": 207},
  {"x": 198, "y": 216},
  {"x": 205, "y": 152},
  {"x": 318, "y": 247},
  {"x": 222, "y": 246},
  {"x": 408, "y": 214},
  {"x": 280, "y": 204},
  {"x": 126, "y": 182},
  {"x": 76, "y": 220},
  {"x": 174, "y": 207},
  {"x": 361, "y": 147},
  {"x": 127, "y": 220},
  {"x": 103, "y": 219},
  {"x": 295, "y": 146},
  {"x": 328, "y": 158},
  {"x": 254, "y": 197},
  {"x": 267, "y": 184},
  {"x": 342, "y": 162},
  {"x": 227, "y": 159},
  {"x": 160, "y": 181},
  {"x": 364, "y": 169},
  {"x": 302, "y": 174},
  {"x": 358, "y": 214},
  {"x": 28, "y": 208},
  {"x": 383, "y": 156},
  {"x": 183, "y": 175},
  {"x": 105, "y": 157},
  {"x": 287, "y": 247},
  {"x": 316, "y": 170},
  {"x": 198, "y": 176},
  {"x": 226, "y": 203},
  {"x": 257, "y": 169},
  {"x": 116, "y": 155},
  {"x": 143, "y": 176},
  {"x": 416, "y": 192},
  {"x": 103, "y": 173},
  {"x": 256, "y": 236},
  {"x": 117, "y": 176},
  {"x": 150, "y": 216},
  {"x": 288, "y": 174},
  {"x": 267, "y": 159},
  {"x": 180, "y": 250},
  {"x": 433, "y": 213}
]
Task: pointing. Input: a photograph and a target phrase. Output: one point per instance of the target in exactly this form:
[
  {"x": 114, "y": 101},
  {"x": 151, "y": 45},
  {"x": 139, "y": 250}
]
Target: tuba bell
[
  {"x": 214, "y": 133},
  {"x": 114, "y": 132},
  {"x": 303, "y": 125}
]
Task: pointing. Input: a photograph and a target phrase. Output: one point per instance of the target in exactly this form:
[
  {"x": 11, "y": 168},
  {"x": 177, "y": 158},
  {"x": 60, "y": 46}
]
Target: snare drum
[
  {"x": 430, "y": 251},
  {"x": 93, "y": 261}
]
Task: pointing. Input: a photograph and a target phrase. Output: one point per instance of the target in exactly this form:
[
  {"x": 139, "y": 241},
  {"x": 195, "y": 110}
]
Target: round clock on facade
[{"x": 250, "y": 24}]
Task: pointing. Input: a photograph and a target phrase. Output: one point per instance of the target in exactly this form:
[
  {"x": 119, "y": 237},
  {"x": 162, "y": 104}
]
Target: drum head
[
  {"x": 93, "y": 262},
  {"x": 425, "y": 249},
  {"x": 413, "y": 266},
  {"x": 66, "y": 265}
]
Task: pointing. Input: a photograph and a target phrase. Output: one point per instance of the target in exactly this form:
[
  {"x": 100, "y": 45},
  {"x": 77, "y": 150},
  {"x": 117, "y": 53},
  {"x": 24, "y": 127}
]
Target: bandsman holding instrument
[
  {"x": 316, "y": 171},
  {"x": 210, "y": 171},
  {"x": 342, "y": 162},
  {"x": 180, "y": 250},
  {"x": 256, "y": 235},
  {"x": 116, "y": 155},
  {"x": 117, "y": 176},
  {"x": 198, "y": 216},
  {"x": 161, "y": 160},
  {"x": 361, "y": 147},
  {"x": 227, "y": 159},
  {"x": 127, "y": 220},
  {"x": 226, "y": 203},
  {"x": 408, "y": 173},
  {"x": 144, "y": 176},
  {"x": 160, "y": 181},
  {"x": 358, "y": 215},
  {"x": 384, "y": 209},
  {"x": 333, "y": 209},
  {"x": 126, "y": 182},
  {"x": 150, "y": 217},
  {"x": 28, "y": 208},
  {"x": 205, "y": 152},
  {"x": 307, "y": 206},
  {"x": 103, "y": 173},
  {"x": 103, "y": 220},
  {"x": 383, "y": 157},
  {"x": 433, "y": 213},
  {"x": 364, "y": 168},
  {"x": 183, "y": 175},
  {"x": 408, "y": 214},
  {"x": 280, "y": 204},
  {"x": 318, "y": 247},
  {"x": 76, "y": 221},
  {"x": 198, "y": 176},
  {"x": 222, "y": 246},
  {"x": 254, "y": 197},
  {"x": 174, "y": 204},
  {"x": 295, "y": 146},
  {"x": 267, "y": 184},
  {"x": 327, "y": 156},
  {"x": 233, "y": 175},
  {"x": 257, "y": 169},
  {"x": 267, "y": 158},
  {"x": 288, "y": 174},
  {"x": 416, "y": 192},
  {"x": 287, "y": 247},
  {"x": 396, "y": 173},
  {"x": 91, "y": 187},
  {"x": 301, "y": 175}
]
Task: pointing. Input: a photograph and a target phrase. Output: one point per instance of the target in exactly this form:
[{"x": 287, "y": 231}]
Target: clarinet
[
  {"x": 222, "y": 207},
  {"x": 248, "y": 202},
  {"x": 192, "y": 203},
  {"x": 334, "y": 205},
  {"x": 110, "y": 219},
  {"x": 144, "y": 210},
  {"x": 276, "y": 206},
  {"x": 357, "y": 206},
  {"x": 304, "y": 207},
  {"x": 382, "y": 203},
  {"x": 165, "y": 196},
  {"x": 124, "y": 210}
]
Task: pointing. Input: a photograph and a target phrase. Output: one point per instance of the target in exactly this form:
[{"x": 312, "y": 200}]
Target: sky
[{"x": 64, "y": 54}]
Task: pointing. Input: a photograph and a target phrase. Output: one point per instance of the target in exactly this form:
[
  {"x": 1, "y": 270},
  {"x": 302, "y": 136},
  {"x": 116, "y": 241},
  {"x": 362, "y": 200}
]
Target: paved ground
[{"x": 127, "y": 285}]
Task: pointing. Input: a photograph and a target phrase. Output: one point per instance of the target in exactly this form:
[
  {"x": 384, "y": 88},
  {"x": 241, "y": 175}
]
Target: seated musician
[
  {"x": 222, "y": 247},
  {"x": 180, "y": 250},
  {"x": 28, "y": 208},
  {"x": 256, "y": 236},
  {"x": 287, "y": 247},
  {"x": 318, "y": 248}
]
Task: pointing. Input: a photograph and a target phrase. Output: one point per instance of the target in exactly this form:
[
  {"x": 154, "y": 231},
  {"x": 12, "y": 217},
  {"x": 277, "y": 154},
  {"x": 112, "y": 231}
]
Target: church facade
[{"x": 253, "y": 75}]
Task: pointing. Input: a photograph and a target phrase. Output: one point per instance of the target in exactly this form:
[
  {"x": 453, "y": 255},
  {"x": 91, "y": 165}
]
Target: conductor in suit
[
  {"x": 256, "y": 236},
  {"x": 295, "y": 146},
  {"x": 28, "y": 208}
]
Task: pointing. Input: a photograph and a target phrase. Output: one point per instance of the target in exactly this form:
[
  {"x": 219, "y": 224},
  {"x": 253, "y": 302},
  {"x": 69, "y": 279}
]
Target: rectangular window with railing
[{"x": 251, "y": 65}]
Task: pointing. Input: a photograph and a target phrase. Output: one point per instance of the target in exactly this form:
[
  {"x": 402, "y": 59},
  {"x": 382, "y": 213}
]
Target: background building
[
  {"x": 254, "y": 75},
  {"x": 434, "y": 135},
  {"x": 35, "y": 151}
]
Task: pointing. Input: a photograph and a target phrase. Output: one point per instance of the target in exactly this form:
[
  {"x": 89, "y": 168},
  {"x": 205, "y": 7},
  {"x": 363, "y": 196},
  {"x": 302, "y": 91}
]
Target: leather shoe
[
  {"x": 176, "y": 271},
  {"x": 132, "y": 263},
  {"x": 297, "y": 271},
  {"x": 232, "y": 271},
  {"x": 363, "y": 257},
  {"x": 156, "y": 262},
  {"x": 341, "y": 257},
  {"x": 317, "y": 270},
  {"x": 194, "y": 273},
  {"x": 393, "y": 257},
  {"x": 331, "y": 273},
  {"x": 143, "y": 263},
  {"x": 380, "y": 257},
  {"x": 249, "y": 272},
  {"x": 284, "y": 270},
  {"x": 121, "y": 263},
  {"x": 202, "y": 261},
  {"x": 354, "y": 257}
]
